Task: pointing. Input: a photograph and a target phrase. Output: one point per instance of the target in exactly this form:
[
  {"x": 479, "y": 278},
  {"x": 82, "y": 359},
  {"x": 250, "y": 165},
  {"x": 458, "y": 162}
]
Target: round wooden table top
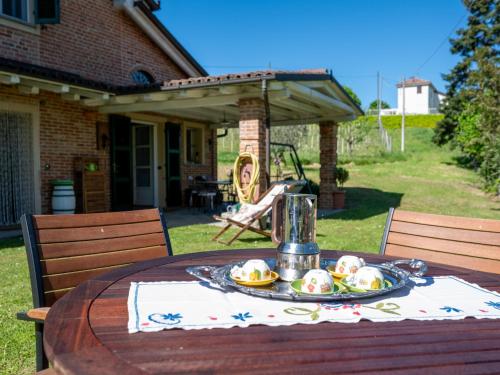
[{"x": 86, "y": 333}]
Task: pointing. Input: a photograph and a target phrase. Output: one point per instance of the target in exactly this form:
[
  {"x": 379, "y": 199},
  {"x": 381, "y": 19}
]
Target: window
[
  {"x": 141, "y": 77},
  {"x": 194, "y": 145},
  {"x": 15, "y": 9},
  {"x": 47, "y": 11},
  {"x": 419, "y": 89}
]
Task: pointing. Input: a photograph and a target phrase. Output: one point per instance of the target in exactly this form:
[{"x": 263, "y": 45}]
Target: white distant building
[{"x": 421, "y": 97}]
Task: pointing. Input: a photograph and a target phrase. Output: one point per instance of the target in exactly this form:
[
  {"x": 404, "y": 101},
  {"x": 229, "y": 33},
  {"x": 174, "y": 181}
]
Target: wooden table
[{"x": 86, "y": 333}]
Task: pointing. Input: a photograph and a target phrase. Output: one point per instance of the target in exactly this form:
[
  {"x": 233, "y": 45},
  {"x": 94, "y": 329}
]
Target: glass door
[{"x": 143, "y": 165}]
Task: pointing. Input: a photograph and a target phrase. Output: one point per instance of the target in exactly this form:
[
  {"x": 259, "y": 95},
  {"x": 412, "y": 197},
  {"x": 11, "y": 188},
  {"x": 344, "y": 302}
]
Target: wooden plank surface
[
  {"x": 444, "y": 246},
  {"x": 462, "y": 235},
  {"x": 97, "y": 232},
  {"x": 470, "y": 223},
  {"x": 69, "y": 280},
  {"x": 68, "y": 249},
  {"x": 481, "y": 264},
  {"x": 92, "y": 220},
  {"x": 88, "y": 262},
  {"x": 86, "y": 332}
]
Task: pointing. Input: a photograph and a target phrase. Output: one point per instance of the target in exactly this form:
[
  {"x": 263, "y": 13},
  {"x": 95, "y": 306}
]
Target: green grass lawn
[{"x": 425, "y": 179}]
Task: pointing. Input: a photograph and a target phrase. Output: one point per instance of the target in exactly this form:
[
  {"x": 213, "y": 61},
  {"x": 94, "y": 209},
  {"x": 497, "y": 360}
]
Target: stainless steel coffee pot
[{"x": 294, "y": 228}]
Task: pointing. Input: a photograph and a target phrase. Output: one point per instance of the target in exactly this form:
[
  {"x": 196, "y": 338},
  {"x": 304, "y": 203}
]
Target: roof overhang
[
  {"x": 32, "y": 85},
  {"x": 293, "y": 97}
]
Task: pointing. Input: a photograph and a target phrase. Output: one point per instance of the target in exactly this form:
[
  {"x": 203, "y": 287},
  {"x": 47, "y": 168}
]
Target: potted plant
[{"x": 341, "y": 176}]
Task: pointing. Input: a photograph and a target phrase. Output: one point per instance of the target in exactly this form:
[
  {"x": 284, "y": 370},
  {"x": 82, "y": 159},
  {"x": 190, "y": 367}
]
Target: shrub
[
  {"x": 341, "y": 176},
  {"x": 411, "y": 121},
  {"x": 314, "y": 186}
]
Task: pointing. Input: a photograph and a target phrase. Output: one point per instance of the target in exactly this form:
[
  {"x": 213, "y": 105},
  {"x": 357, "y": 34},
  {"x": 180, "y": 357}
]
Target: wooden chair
[
  {"x": 250, "y": 213},
  {"x": 458, "y": 241},
  {"x": 66, "y": 250}
]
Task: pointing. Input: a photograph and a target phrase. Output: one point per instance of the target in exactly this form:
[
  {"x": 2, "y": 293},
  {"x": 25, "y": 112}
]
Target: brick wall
[
  {"x": 328, "y": 161},
  {"x": 95, "y": 40},
  {"x": 253, "y": 135},
  {"x": 19, "y": 45},
  {"x": 67, "y": 130}
]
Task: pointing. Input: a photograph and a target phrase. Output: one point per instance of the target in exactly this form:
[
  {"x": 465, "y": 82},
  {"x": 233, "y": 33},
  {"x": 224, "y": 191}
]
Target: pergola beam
[
  {"x": 174, "y": 103},
  {"x": 195, "y": 115},
  {"x": 29, "y": 90},
  {"x": 193, "y": 93},
  {"x": 32, "y": 86},
  {"x": 234, "y": 89},
  {"x": 10, "y": 79},
  {"x": 295, "y": 105},
  {"x": 315, "y": 96},
  {"x": 71, "y": 96},
  {"x": 281, "y": 111}
]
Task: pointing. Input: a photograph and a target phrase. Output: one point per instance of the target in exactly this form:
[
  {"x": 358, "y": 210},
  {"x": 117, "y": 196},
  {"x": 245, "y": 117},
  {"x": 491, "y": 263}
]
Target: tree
[
  {"x": 353, "y": 132},
  {"x": 353, "y": 96},
  {"x": 383, "y": 105},
  {"x": 472, "y": 106}
]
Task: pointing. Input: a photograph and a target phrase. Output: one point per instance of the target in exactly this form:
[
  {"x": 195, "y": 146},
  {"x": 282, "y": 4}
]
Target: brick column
[
  {"x": 328, "y": 161},
  {"x": 253, "y": 135}
]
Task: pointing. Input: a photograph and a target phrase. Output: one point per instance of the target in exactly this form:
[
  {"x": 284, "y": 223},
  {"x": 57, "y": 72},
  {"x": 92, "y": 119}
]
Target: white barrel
[{"x": 63, "y": 200}]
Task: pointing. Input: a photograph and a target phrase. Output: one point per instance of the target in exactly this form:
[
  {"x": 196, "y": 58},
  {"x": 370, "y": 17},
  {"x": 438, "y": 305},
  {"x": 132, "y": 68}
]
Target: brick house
[{"x": 104, "y": 80}]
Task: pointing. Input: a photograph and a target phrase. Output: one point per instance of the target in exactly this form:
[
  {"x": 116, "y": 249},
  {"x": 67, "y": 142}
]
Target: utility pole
[
  {"x": 379, "y": 119},
  {"x": 403, "y": 120}
]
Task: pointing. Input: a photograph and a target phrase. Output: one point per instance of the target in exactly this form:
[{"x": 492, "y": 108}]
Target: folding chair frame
[{"x": 244, "y": 227}]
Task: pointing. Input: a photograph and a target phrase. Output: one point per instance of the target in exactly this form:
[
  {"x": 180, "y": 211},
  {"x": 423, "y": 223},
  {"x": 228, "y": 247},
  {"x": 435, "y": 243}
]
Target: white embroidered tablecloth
[{"x": 154, "y": 306}]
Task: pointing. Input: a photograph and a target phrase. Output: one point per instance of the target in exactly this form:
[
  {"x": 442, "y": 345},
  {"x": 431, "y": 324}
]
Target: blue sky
[{"x": 353, "y": 38}]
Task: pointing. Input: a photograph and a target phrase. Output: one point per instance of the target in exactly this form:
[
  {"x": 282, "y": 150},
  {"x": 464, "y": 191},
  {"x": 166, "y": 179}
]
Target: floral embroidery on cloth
[{"x": 154, "y": 306}]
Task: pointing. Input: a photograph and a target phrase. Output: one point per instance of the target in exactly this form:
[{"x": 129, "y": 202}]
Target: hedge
[{"x": 411, "y": 121}]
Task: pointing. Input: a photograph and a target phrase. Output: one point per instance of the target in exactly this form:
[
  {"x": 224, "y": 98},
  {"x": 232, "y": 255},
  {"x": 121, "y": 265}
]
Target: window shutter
[{"x": 47, "y": 11}]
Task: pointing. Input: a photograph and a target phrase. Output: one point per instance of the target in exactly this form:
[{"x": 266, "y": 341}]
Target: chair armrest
[{"x": 34, "y": 315}]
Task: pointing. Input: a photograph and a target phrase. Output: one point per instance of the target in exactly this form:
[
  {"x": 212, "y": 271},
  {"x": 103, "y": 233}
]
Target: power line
[
  {"x": 389, "y": 81},
  {"x": 440, "y": 44}
]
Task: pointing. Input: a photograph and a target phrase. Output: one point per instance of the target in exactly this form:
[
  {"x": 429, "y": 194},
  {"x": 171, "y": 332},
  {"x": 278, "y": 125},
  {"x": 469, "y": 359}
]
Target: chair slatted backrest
[
  {"x": 459, "y": 241},
  {"x": 66, "y": 250}
]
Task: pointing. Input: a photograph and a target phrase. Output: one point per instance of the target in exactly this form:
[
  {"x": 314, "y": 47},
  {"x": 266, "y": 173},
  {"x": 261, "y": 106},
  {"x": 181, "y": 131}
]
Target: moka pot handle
[{"x": 277, "y": 219}]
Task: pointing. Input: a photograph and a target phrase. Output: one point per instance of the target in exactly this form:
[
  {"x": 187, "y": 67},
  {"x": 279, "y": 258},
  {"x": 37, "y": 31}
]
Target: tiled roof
[
  {"x": 414, "y": 81},
  {"x": 37, "y": 71},
  {"x": 310, "y": 74},
  {"x": 278, "y": 75}
]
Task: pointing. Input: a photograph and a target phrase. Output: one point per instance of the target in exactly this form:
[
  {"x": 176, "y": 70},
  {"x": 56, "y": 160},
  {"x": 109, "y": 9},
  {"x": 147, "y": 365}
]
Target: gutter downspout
[{"x": 267, "y": 110}]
